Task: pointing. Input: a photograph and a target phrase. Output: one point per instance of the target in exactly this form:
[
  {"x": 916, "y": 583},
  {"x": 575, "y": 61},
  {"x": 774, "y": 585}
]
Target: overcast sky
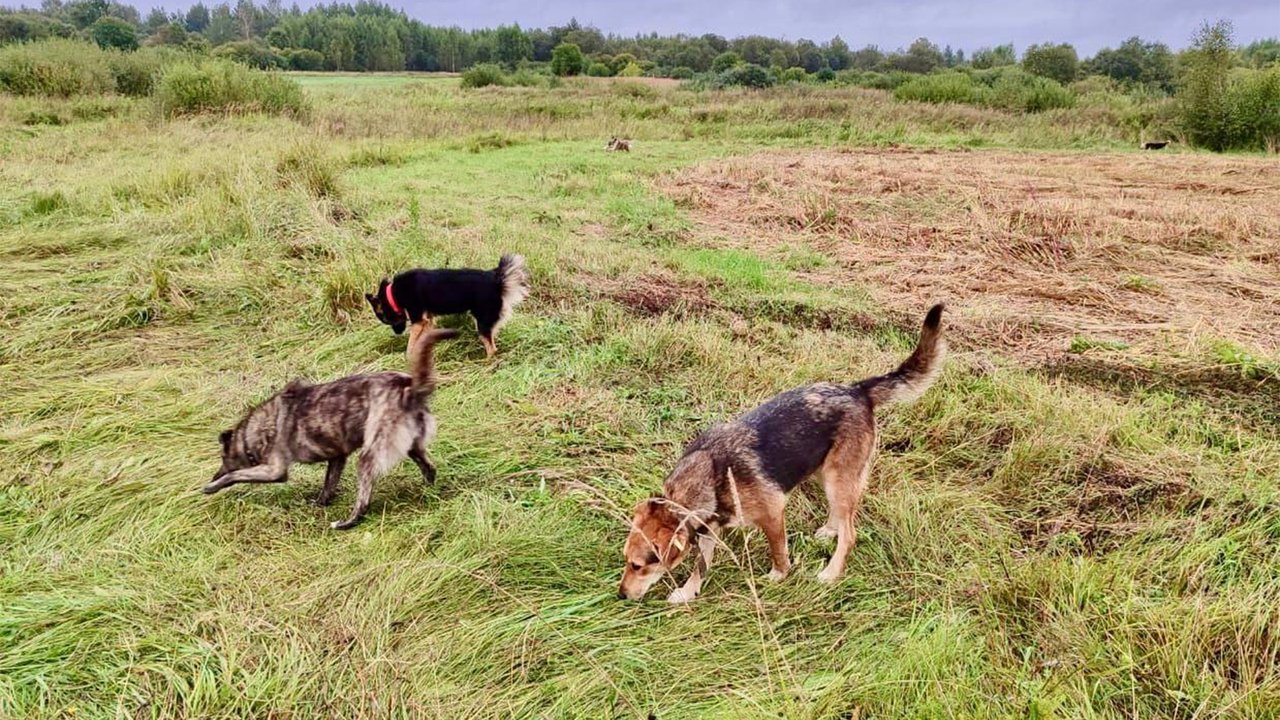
[{"x": 1088, "y": 24}]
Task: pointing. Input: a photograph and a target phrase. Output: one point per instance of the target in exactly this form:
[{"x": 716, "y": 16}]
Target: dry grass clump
[{"x": 1036, "y": 249}]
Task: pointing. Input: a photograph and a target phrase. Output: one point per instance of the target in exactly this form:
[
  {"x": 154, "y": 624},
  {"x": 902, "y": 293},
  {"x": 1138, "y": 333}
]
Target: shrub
[
  {"x": 598, "y": 69},
  {"x": 749, "y": 75},
  {"x": 826, "y": 74},
  {"x": 253, "y": 53},
  {"x": 725, "y": 61},
  {"x": 1029, "y": 93},
  {"x": 567, "y": 59},
  {"x": 525, "y": 77},
  {"x": 1056, "y": 62},
  {"x": 1254, "y": 99},
  {"x": 683, "y": 72},
  {"x": 135, "y": 72},
  {"x": 56, "y": 68},
  {"x": 483, "y": 75},
  {"x": 792, "y": 75},
  {"x": 224, "y": 86},
  {"x": 113, "y": 32},
  {"x": 1221, "y": 110},
  {"x": 304, "y": 59},
  {"x": 631, "y": 70},
  {"x": 952, "y": 87}
]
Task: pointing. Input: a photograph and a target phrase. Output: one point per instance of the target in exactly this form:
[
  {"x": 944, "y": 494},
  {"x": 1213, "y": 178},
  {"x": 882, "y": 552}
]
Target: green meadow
[{"x": 1086, "y": 532}]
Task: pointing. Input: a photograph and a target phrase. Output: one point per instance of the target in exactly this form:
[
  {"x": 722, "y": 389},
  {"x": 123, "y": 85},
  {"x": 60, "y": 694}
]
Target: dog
[
  {"x": 1154, "y": 145},
  {"x": 383, "y": 415},
  {"x": 417, "y": 296},
  {"x": 740, "y": 473},
  {"x": 616, "y": 145}
]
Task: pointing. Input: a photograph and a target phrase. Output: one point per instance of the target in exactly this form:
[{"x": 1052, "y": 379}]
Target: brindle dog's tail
[
  {"x": 421, "y": 368},
  {"x": 917, "y": 372}
]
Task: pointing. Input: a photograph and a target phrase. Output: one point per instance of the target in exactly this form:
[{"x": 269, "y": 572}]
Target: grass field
[{"x": 1079, "y": 521}]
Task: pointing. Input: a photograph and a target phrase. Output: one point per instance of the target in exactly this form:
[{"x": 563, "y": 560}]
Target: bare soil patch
[{"x": 1030, "y": 249}]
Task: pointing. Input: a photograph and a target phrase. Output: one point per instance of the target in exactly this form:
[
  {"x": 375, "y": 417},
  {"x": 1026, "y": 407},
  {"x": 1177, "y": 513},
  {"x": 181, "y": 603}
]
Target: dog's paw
[
  {"x": 211, "y": 488},
  {"x": 775, "y": 575},
  {"x": 343, "y": 524},
  {"x": 680, "y": 596},
  {"x": 323, "y": 500},
  {"x": 826, "y": 531},
  {"x": 828, "y": 575}
]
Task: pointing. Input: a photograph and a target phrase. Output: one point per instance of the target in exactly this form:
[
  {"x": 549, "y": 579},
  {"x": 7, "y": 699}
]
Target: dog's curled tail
[
  {"x": 917, "y": 372},
  {"x": 514, "y": 278},
  {"x": 421, "y": 368}
]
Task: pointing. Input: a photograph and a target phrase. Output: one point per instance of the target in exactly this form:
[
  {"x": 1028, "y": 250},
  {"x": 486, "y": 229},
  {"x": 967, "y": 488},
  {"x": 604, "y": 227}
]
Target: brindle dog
[
  {"x": 383, "y": 415},
  {"x": 740, "y": 472}
]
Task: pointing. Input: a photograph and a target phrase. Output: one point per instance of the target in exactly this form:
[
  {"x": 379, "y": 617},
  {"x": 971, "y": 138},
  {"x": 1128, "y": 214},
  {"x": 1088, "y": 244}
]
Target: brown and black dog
[
  {"x": 740, "y": 472},
  {"x": 383, "y": 415}
]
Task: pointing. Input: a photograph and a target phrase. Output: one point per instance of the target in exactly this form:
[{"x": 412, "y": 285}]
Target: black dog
[{"x": 490, "y": 296}]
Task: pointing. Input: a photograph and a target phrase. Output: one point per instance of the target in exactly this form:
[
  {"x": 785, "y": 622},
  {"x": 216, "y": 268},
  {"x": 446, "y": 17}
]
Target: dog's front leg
[
  {"x": 693, "y": 586},
  {"x": 255, "y": 474}
]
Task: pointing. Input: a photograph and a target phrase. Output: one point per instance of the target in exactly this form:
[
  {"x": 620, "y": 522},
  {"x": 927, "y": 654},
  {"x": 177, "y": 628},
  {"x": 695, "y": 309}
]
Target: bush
[
  {"x": 113, "y": 32},
  {"x": 631, "y": 70},
  {"x": 726, "y": 61},
  {"x": 825, "y": 75},
  {"x": 55, "y": 68},
  {"x": 1253, "y": 97},
  {"x": 567, "y": 59},
  {"x": 749, "y": 75},
  {"x": 525, "y": 77},
  {"x": 1224, "y": 110},
  {"x": 792, "y": 75},
  {"x": 683, "y": 72},
  {"x": 303, "y": 59},
  {"x": 951, "y": 87},
  {"x": 224, "y": 86},
  {"x": 598, "y": 69},
  {"x": 253, "y": 53},
  {"x": 483, "y": 75},
  {"x": 1029, "y": 93},
  {"x": 135, "y": 72}
]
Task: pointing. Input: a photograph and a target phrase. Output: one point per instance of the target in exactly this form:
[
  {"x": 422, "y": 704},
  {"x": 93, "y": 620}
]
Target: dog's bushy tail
[
  {"x": 421, "y": 368},
  {"x": 917, "y": 372},
  {"x": 514, "y": 278}
]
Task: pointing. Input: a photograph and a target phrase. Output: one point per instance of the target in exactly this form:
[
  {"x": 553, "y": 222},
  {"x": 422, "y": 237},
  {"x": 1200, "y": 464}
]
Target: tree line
[{"x": 370, "y": 36}]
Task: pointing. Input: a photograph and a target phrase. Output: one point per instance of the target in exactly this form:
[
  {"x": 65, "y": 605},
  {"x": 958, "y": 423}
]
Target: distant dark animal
[
  {"x": 616, "y": 145},
  {"x": 1154, "y": 145},
  {"x": 740, "y": 473},
  {"x": 417, "y": 296},
  {"x": 383, "y": 415}
]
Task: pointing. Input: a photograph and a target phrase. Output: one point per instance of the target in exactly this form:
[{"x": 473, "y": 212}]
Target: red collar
[{"x": 392, "y": 302}]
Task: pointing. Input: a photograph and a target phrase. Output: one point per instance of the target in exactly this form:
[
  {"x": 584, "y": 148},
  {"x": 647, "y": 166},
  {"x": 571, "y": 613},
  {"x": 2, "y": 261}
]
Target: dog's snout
[{"x": 622, "y": 595}]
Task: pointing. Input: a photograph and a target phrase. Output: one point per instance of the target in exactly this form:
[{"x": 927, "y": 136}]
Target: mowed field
[{"x": 1080, "y": 520}]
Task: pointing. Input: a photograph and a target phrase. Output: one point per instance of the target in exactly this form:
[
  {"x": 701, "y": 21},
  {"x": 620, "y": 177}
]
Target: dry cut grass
[{"x": 1037, "y": 248}]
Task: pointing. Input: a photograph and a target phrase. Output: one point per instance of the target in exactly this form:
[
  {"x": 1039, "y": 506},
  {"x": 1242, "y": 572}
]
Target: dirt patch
[
  {"x": 1030, "y": 249},
  {"x": 1106, "y": 505},
  {"x": 655, "y": 294}
]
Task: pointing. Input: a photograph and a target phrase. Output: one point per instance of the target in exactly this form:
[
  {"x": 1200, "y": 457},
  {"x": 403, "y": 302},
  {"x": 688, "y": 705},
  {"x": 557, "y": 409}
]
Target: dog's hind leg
[
  {"x": 418, "y": 455},
  {"x": 771, "y": 520},
  {"x": 844, "y": 477},
  {"x": 374, "y": 460},
  {"x": 331, "y": 477}
]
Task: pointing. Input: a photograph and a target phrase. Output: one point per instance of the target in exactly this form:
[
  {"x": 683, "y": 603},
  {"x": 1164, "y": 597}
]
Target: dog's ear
[
  {"x": 225, "y": 439},
  {"x": 373, "y": 299}
]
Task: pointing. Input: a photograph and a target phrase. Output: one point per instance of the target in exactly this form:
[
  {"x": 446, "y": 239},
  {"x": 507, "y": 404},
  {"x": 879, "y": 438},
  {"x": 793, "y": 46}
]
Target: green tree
[
  {"x": 1056, "y": 62},
  {"x": 998, "y": 56},
  {"x": 197, "y": 18},
  {"x": 84, "y": 13},
  {"x": 726, "y": 60},
  {"x": 1261, "y": 53},
  {"x": 837, "y": 53},
  {"x": 512, "y": 45},
  {"x": 112, "y": 32},
  {"x": 1204, "y": 104},
  {"x": 567, "y": 59}
]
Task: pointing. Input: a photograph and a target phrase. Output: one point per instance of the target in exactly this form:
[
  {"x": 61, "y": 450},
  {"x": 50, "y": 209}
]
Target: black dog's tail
[
  {"x": 917, "y": 372},
  {"x": 513, "y": 276},
  {"x": 421, "y": 368}
]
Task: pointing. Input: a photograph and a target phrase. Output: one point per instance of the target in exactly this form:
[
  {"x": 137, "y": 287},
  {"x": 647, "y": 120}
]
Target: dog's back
[{"x": 449, "y": 291}]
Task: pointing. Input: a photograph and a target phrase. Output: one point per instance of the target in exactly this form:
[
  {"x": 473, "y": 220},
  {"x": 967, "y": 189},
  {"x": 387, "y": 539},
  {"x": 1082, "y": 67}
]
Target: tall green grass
[{"x": 226, "y": 86}]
